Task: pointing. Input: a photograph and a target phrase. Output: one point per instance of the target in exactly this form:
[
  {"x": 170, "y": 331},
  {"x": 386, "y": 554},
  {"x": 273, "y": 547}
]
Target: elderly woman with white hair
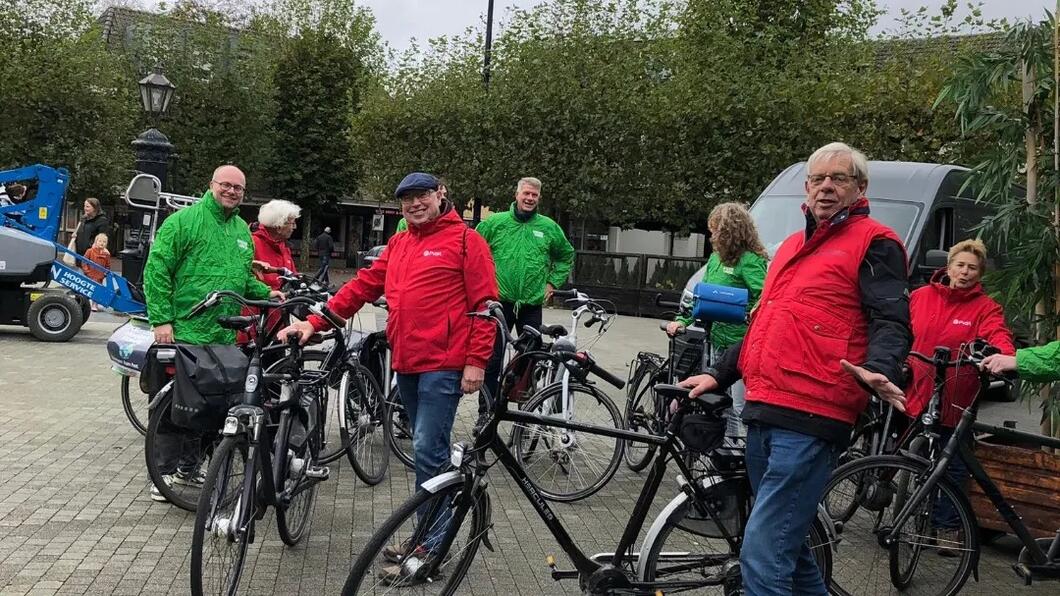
[{"x": 277, "y": 220}]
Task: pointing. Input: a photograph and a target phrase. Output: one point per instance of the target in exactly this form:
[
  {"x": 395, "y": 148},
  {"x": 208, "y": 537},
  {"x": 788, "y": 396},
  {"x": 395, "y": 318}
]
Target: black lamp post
[
  {"x": 476, "y": 209},
  {"x": 152, "y": 148}
]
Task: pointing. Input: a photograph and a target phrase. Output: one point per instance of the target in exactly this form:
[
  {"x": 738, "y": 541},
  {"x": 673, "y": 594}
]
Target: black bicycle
[
  {"x": 268, "y": 455},
  {"x": 896, "y": 513},
  {"x": 429, "y": 544}
]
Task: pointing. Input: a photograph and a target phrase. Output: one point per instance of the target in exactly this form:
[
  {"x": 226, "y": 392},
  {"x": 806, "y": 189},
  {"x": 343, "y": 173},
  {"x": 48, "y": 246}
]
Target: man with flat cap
[{"x": 432, "y": 277}]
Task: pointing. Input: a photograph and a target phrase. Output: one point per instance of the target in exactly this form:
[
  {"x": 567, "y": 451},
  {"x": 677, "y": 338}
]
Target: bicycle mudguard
[{"x": 444, "y": 480}]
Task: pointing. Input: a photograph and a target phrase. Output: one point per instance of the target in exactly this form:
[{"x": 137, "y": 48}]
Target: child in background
[{"x": 98, "y": 254}]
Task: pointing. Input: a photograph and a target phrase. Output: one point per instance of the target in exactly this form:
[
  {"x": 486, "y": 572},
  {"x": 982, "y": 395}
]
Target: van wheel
[
  {"x": 55, "y": 317},
  {"x": 86, "y": 308}
]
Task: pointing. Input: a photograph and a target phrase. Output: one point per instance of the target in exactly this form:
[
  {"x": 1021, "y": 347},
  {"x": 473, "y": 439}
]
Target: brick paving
[{"x": 76, "y": 516}]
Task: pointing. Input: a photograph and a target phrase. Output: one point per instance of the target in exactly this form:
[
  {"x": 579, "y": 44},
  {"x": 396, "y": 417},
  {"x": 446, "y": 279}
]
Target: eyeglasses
[
  {"x": 837, "y": 178},
  {"x": 228, "y": 186},
  {"x": 410, "y": 198}
]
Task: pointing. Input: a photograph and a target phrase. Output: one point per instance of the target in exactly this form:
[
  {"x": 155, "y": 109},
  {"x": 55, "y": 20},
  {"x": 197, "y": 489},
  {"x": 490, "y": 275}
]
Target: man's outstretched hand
[{"x": 878, "y": 383}]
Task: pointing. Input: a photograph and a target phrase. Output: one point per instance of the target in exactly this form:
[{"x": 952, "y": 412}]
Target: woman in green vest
[{"x": 738, "y": 260}]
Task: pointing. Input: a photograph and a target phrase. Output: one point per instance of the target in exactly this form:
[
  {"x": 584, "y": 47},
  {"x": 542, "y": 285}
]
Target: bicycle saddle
[{"x": 553, "y": 331}]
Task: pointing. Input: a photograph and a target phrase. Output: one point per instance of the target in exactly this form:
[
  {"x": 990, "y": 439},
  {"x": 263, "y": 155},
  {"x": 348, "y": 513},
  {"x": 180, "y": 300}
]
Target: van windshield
[{"x": 778, "y": 217}]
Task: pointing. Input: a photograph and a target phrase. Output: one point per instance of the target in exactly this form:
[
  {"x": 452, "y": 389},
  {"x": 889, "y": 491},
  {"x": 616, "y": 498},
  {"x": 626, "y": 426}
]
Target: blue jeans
[
  {"x": 430, "y": 400},
  {"x": 944, "y": 516},
  {"x": 788, "y": 472}
]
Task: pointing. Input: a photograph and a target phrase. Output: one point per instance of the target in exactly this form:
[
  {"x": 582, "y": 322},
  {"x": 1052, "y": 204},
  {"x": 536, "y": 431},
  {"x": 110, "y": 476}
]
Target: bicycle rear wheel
[
  {"x": 135, "y": 403},
  {"x": 365, "y": 425},
  {"x": 870, "y": 492},
  {"x": 407, "y": 556},
  {"x": 399, "y": 429},
  {"x": 566, "y": 465},
  {"x": 218, "y": 543},
  {"x": 299, "y": 492},
  {"x": 176, "y": 458},
  {"x": 641, "y": 416}
]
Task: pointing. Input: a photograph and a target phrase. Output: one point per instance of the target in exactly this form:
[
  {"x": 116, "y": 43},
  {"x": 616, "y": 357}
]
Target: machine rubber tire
[{"x": 55, "y": 316}]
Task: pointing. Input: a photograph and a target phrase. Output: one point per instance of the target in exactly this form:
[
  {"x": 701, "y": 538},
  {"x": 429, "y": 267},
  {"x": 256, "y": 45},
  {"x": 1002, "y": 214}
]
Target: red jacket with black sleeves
[
  {"x": 810, "y": 317},
  {"x": 945, "y": 316},
  {"x": 433, "y": 276}
]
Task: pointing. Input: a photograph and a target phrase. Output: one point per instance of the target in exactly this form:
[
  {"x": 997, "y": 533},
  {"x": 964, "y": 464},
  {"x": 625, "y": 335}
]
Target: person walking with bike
[
  {"x": 533, "y": 258},
  {"x": 834, "y": 312},
  {"x": 738, "y": 260},
  {"x": 432, "y": 275},
  {"x": 951, "y": 311},
  {"x": 197, "y": 250}
]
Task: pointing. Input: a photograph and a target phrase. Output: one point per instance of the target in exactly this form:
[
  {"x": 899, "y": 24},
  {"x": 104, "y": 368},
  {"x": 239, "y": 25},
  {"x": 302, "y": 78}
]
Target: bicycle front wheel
[
  {"x": 298, "y": 491},
  {"x": 365, "y": 425},
  {"x": 641, "y": 416},
  {"x": 566, "y": 465},
  {"x": 926, "y": 557},
  {"x": 425, "y": 547},
  {"x": 223, "y": 522}
]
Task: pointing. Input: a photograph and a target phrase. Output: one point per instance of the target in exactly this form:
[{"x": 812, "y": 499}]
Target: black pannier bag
[
  {"x": 702, "y": 433},
  {"x": 209, "y": 379}
]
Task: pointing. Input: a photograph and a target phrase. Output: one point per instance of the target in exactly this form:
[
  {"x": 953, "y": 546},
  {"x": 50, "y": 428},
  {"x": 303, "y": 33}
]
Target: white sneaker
[{"x": 156, "y": 495}]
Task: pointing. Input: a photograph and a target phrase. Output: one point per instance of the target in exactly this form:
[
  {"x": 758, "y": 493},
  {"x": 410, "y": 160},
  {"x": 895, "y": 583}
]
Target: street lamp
[
  {"x": 155, "y": 93},
  {"x": 152, "y": 150},
  {"x": 476, "y": 209}
]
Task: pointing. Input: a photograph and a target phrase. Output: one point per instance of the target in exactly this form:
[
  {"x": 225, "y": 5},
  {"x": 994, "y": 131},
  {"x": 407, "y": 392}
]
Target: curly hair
[{"x": 734, "y": 233}]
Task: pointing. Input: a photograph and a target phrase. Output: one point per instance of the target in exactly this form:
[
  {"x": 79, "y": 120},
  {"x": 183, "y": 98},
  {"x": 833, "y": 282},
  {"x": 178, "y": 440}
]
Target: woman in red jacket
[
  {"x": 951, "y": 310},
  {"x": 277, "y": 220}
]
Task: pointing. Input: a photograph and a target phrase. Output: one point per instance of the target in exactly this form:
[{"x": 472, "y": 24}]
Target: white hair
[
  {"x": 276, "y": 212},
  {"x": 857, "y": 158}
]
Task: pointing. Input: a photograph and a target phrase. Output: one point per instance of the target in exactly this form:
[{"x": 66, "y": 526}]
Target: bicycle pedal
[
  {"x": 318, "y": 472},
  {"x": 558, "y": 574}
]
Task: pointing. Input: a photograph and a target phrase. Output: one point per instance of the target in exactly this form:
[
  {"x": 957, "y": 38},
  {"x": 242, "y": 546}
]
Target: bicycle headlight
[{"x": 456, "y": 456}]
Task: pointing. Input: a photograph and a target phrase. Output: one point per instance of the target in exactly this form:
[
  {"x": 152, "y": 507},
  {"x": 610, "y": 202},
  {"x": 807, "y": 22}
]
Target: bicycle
[
  {"x": 565, "y": 464},
  {"x": 646, "y": 411},
  {"x": 268, "y": 454},
  {"x": 884, "y": 506},
  {"x": 430, "y": 542}
]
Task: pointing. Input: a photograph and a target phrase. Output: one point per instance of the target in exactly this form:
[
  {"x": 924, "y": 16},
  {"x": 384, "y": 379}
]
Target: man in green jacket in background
[
  {"x": 200, "y": 249},
  {"x": 533, "y": 258},
  {"x": 197, "y": 250}
]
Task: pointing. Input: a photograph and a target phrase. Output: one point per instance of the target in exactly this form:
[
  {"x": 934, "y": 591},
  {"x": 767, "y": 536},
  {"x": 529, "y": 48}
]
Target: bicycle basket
[
  {"x": 726, "y": 498},
  {"x": 702, "y": 433}
]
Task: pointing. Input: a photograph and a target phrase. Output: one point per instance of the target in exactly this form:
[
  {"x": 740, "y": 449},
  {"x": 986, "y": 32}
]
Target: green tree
[{"x": 65, "y": 101}]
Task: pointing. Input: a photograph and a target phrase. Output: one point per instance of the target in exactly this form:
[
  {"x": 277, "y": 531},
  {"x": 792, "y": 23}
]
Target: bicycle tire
[
  {"x": 292, "y": 517},
  {"x": 683, "y": 552},
  {"x": 136, "y": 409},
  {"x": 158, "y": 441},
  {"x": 865, "y": 564},
  {"x": 547, "y": 451},
  {"x": 454, "y": 569},
  {"x": 399, "y": 432},
  {"x": 364, "y": 411},
  {"x": 332, "y": 448},
  {"x": 640, "y": 415},
  {"x": 219, "y": 501}
]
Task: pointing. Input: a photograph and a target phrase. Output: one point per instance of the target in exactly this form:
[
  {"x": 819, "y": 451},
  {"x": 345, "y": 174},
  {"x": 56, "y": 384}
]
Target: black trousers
[{"x": 527, "y": 315}]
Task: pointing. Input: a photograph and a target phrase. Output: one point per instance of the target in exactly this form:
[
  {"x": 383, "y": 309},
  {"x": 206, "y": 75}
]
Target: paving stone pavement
[{"x": 76, "y": 516}]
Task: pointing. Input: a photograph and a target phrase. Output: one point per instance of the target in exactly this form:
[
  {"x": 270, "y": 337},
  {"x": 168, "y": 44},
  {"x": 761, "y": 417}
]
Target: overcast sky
[{"x": 400, "y": 20}]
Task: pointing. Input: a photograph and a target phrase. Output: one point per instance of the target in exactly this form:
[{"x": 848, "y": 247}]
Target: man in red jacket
[
  {"x": 835, "y": 294},
  {"x": 433, "y": 276}
]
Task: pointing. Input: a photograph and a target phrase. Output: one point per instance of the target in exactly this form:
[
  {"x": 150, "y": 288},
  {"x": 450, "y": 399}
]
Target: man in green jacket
[
  {"x": 533, "y": 258},
  {"x": 199, "y": 249}
]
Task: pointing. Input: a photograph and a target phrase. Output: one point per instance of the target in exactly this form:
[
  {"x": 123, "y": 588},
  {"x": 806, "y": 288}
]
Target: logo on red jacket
[
  {"x": 960, "y": 322},
  {"x": 432, "y": 253}
]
